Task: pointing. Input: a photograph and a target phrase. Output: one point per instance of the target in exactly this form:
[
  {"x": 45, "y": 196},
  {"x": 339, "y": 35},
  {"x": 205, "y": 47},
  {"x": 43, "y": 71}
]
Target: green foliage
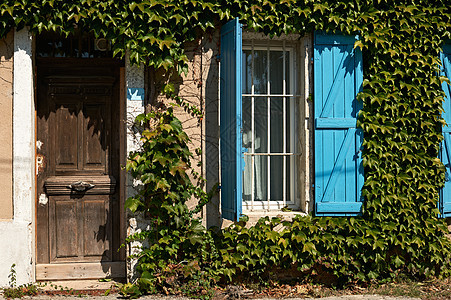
[
  {"x": 330, "y": 250},
  {"x": 399, "y": 232},
  {"x": 20, "y": 291},
  {"x": 153, "y": 31},
  {"x": 180, "y": 250}
]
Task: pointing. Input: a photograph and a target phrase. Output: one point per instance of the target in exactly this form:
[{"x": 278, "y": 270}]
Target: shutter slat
[
  {"x": 322, "y": 123},
  {"x": 338, "y": 163},
  {"x": 232, "y": 162},
  {"x": 334, "y": 208},
  {"x": 337, "y": 84}
]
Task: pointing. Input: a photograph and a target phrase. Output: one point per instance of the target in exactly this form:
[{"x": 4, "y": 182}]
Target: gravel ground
[{"x": 153, "y": 297}]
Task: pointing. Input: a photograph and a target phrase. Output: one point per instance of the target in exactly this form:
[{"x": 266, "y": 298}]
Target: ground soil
[{"x": 427, "y": 290}]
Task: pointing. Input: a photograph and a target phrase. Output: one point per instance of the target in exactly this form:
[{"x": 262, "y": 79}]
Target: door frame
[{"x": 116, "y": 268}]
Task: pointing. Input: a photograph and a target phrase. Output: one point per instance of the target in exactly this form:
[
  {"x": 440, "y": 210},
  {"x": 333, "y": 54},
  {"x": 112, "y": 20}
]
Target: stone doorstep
[{"x": 78, "y": 285}]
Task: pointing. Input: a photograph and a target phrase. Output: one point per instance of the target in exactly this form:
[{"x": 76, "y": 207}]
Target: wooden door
[{"x": 77, "y": 169}]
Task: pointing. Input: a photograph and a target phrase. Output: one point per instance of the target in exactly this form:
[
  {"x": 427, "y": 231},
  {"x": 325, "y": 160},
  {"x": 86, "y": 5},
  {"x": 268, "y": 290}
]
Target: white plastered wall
[
  {"x": 134, "y": 78},
  {"x": 17, "y": 235}
]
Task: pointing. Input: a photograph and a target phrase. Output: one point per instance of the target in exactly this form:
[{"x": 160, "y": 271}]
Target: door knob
[{"x": 80, "y": 186}]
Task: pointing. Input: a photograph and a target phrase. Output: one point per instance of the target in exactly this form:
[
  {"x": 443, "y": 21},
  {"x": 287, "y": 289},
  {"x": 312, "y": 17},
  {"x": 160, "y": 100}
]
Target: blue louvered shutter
[
  {"x": 232, "y": 162},
  {"x": 445, "y": 147},
  {"x": 338, "y": 161}
]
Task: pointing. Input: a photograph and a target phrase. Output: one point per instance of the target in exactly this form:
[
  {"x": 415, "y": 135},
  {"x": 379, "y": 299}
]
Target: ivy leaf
[
  {"x": 133, "y": 204},
  {"x": 309, "y": 247}
]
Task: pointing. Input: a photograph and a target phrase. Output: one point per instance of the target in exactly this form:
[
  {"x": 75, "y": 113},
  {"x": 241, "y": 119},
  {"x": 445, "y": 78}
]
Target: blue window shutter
[
  {"x": 445, "y": 147},
  {"x": 338, "y": 78},
  {"x": 232, "y": 162}
]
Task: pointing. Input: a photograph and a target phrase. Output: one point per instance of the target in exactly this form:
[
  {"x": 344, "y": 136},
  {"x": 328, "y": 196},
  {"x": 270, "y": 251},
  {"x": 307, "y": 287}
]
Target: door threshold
[{"x": 80, "y": 271}]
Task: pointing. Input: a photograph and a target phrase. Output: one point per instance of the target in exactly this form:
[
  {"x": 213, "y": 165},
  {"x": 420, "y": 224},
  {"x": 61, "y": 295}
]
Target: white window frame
[{"x": 293, "y": 154}]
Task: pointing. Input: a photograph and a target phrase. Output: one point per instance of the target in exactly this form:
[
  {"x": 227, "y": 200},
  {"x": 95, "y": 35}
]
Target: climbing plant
[
  {"x": 179, "y": 249},
  {"x": 399, "y": 232}
]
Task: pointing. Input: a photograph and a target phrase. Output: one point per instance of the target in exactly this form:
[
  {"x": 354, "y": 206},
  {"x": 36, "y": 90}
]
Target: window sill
[{"x": 254, "y": 216}]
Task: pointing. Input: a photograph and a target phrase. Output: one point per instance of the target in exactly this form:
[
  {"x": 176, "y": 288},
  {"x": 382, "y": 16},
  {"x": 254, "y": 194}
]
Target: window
[
  {"x": 78, "y": 44},
  {"x": 258, "y": 130},
  {"x": 268, "y": 122}
]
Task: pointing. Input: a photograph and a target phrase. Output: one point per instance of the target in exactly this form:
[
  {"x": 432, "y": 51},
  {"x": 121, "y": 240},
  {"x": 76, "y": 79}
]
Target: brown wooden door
[{"x": 77, "y": 168}]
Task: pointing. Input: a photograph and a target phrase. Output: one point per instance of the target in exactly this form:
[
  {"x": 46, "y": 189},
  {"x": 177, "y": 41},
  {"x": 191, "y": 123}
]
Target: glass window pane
[
  {"x": 247, "y": 178},
  {"x": 290, "y": 109},
  {"x": 247, "y": 123},
  {"x": 247, "y": 72},
  {"x": 62, "y": 48},
  {"x": 276, "y": 130},
  {"x": 276, "y": 72},
  {"x": 287, "y": 73},
  {"x": 261, "y": 125},
  {"x": 260, "y": 71},
  {"x": 276, "y": 178},
  {"x": 247, "y": 144},
  {"x": 290, "y": 160},
  {"x": 261, "y": 178}
]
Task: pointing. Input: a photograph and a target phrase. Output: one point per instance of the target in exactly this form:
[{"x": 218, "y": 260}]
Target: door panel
[
  {"x": 80, "y": 228},
  {"x": 94, "y": 139},
  {"x": 66, "y": 131},
  {"x": 64, "y": 221},
  {"x": 95, "y": 227}
]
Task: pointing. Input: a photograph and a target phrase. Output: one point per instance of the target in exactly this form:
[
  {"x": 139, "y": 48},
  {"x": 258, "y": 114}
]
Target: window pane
[
  {"x": 261, "y": 175},
  {"x": 276, "y": 178},
  {"x": 261, "y": 125},
  {"x": 247, "y": 72},
  {"x": 290, "y": 109},
  {"x": 276, "y": 72},
  {"x": 276, "y": 129},
  {"x": 62, "y": 47},
  {"x": 247, "y": 144},
  {"x": 247, "y": 178},
  {"x": 247, "y": 123},
  {"x": 260, "y": 72},
  {"x": 290, "y": 161},
  {"x": 287, "y": 73}
]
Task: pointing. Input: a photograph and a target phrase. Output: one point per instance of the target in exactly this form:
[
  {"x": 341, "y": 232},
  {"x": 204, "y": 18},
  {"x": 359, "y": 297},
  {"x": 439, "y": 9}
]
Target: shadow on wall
[
  {"x": 200, "y": 87},
  {"x": 211, "y": 49}
]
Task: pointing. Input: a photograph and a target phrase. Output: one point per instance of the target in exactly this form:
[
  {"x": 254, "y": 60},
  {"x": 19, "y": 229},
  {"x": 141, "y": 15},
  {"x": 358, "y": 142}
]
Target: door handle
[{"x": 80, "y": 186}]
